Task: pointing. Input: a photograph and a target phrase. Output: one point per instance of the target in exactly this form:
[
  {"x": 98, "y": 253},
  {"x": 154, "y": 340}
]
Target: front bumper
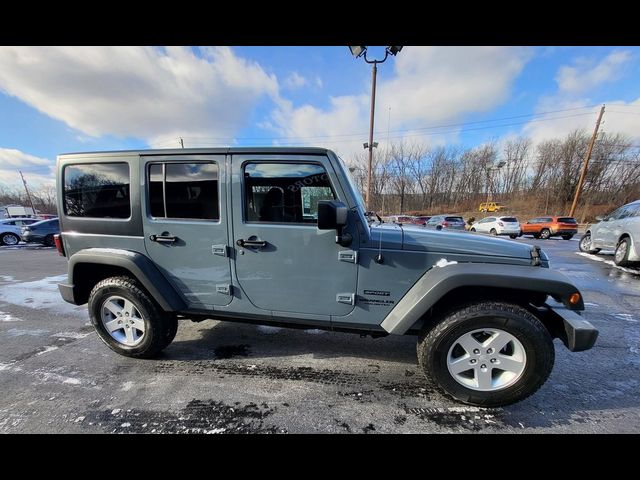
[{"x": 576, "y": 333}]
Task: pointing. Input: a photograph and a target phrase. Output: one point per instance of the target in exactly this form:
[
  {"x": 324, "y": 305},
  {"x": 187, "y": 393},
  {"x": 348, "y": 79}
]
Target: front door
[
  {"x": 185, "y": 225},
  {"x": 283, "y": 262}
]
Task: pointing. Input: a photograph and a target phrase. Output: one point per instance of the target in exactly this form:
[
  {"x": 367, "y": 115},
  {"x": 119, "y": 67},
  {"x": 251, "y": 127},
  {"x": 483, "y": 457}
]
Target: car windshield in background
[
  {"x": 509, "y": 219},
  {"x": 567, "y": 220},
  {"x": 454, "y": 219}
]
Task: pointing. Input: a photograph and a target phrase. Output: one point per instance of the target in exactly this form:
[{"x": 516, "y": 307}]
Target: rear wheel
[
  {"x": 48, "y": 241},
  {"x": 513, "y": 236},
  {"x": 585, "y": 244},
  {"x": 545, "y": 233},
  {"x": 487, "y": 354},
  {"x": 621, "y": 257},
  {"x": 493, "y": 232},
  {"x": 473, "y": 230},
  {"x": 9, "y": 239},
  {"x": 128, "y": 320}
]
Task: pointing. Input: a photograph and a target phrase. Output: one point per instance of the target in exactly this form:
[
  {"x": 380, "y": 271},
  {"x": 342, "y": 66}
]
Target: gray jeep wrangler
[{"x": 280, "y": 236}]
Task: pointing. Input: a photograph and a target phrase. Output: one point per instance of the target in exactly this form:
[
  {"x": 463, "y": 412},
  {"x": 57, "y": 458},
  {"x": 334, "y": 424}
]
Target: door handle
[
  {"x": 251, "y": 243},
  {"x": 164, "y": 238}
]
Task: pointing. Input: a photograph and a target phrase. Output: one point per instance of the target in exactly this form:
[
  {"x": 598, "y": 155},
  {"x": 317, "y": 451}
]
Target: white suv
[
  {"x": 498, "y": 226},
  {"x": 619, "y": 231}
]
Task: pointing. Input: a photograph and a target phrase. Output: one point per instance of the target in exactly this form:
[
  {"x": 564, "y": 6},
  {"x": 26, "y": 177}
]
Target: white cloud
[
  {"x": 144, "y": 92},
  {"x": 586, "y": 74},
  {"x": 430, "y": 86},
  {"x": 295, "y": 80},
  {"x": 37, "y": 170}
]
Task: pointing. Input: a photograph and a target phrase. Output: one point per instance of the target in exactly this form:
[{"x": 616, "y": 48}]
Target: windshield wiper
[{"x": 374, "y": 214}]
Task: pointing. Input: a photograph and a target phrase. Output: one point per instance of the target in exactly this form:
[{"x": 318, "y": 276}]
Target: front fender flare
[
  {"x": 140, "y": 267},
  {"x": 438, "y": 281}
]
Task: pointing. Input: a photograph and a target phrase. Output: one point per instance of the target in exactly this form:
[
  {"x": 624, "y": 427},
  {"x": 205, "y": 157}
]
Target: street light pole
[
  {"x": 373, "y": 108},
  {"x": 357, "y": 52}
]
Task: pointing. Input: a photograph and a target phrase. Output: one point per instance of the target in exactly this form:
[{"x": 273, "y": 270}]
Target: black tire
[
  {"x": 567, "y": 237},
  {"x": 586, "y": 239},
  {"x": 48, "y": 241},
  {"x": 535, "y": 235},
  {"x": 439, "y": 227},
  {"x": 434, "y": 344},
  {"x": 513, "y": 237},
  {"x": 472, "y": 230},
  {"x": 621, "y": 256},
  {"x": 493, "y": 232},
  {"x": 9, "y": 239},
  {"x": 160, "y": 326},
  {"x": 545, "y": 233}
]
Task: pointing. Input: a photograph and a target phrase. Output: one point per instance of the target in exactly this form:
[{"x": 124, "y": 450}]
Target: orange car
[{"x": 545, "y": 227}]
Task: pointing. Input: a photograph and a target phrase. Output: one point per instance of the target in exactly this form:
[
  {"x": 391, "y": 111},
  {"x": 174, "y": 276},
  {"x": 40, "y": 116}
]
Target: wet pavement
[{"x": 222, "y": 377}]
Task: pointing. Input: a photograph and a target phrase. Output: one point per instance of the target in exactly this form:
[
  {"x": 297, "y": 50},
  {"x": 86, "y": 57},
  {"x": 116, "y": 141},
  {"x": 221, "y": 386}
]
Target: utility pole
[
  {"x": 27, "y": 190},
  {"x": 583, "y": 174},
  {"x": 181, "y": 142}
]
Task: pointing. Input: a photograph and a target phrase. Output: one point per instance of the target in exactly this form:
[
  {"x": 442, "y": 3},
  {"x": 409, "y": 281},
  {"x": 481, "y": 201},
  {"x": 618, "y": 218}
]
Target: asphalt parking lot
[{"x": 56, "y": 376}]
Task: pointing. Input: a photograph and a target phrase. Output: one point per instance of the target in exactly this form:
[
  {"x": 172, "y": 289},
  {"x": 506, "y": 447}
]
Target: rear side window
[
  {"x": 454, "y": 219},
  {"x": 546, "y": 220},
  {"x": 98, "y": 190},
  {"x": 184, "y": 191},
  {"x": 566, "y": 220},
  {"x": 509, "y": 219}
]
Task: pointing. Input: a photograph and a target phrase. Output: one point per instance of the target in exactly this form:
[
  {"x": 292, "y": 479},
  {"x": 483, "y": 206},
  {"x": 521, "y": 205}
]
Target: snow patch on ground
[
  {"x": 126, "y": 386},
  {"x": 17, "y": 332},
  {"x": 315, "y": 331},
  {"x": 47, "y": 349},
  {"x": 6, "y": 278},
  {"x": 41, "y": 295},
  {"x": 627, "y": 317},
  {"x": 7, "y": 317},
  {"x": 74, "y": 335},
  {"x": 608, "y": 262},
  {"x": 589, "y": 304},
  {"x": 268, "y": 330}
]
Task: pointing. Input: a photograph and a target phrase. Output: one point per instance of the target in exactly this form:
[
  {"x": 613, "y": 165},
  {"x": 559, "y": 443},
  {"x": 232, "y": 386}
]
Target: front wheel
[
  {"x": 585, "y": 244},
  {"x": 493, "y": 232},
  {"x": 128, "y": 320},
  {"x": 488, "y": 354},
  {"x": 513, "y": 237}
]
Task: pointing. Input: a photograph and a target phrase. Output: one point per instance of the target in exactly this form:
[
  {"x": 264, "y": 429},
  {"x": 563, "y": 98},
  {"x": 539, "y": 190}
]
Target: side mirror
[
  {"x": 332, "y": 215},
  {"x": 599, "y": 218}
]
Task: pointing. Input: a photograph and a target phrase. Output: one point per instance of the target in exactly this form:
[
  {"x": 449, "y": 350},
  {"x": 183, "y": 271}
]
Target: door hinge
[
  {"x": 350, "y": 256},
  {"x": 224, "y": 289},
  {"x": 220, "y": 250},
  {"x": 348, "y": 298}
]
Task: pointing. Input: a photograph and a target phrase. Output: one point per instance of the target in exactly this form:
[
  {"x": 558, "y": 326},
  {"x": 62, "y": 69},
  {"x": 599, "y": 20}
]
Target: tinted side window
[
  {"x": 628, "y": 211},
  {"x": 184, "y": 191},
  {"x": 285, "y": 192},
  {"x": 97, "y": 190}
]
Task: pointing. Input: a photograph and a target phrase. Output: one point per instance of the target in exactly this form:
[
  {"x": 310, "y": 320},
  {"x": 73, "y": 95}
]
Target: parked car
[
  {"x": 11, "y": 229},
  {"x": 41, "y": 232},
  {"x": 498, "y": 226},
  {"x": 450, "y": 222},
  {"x": 491, "y": 207},
  {"x": 546, "y": 227},
  {"x": 399, "y": 219},
  {"x": 619, "y": 231},
  {"x": 420, "y": 220},
  {"x": 186, "y": 239}
]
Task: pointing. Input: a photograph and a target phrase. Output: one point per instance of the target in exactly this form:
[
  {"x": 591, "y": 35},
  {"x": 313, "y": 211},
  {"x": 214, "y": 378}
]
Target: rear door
[
  {"x": 185, "y": 225},
  {"x": 283, "y": 263}
]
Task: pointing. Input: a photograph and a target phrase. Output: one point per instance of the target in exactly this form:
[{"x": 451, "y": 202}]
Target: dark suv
[{"x": 280, "y": 236}]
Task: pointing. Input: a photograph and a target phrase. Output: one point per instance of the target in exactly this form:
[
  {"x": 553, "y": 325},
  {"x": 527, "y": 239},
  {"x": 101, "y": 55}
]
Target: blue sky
[{"x": 65, "y": 99}]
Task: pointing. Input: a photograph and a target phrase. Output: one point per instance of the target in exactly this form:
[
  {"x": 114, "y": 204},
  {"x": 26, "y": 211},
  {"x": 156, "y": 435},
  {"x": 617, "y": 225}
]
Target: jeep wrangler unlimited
[{"x": 280, "y": 236}]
